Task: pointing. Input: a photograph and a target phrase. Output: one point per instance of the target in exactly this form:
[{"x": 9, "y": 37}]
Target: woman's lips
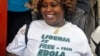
[{"x": 50, "y": 16}]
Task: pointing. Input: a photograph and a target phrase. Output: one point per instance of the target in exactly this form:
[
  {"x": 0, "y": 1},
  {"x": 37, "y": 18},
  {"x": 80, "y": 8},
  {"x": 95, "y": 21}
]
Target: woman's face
[{"x": 52, "y": 12}]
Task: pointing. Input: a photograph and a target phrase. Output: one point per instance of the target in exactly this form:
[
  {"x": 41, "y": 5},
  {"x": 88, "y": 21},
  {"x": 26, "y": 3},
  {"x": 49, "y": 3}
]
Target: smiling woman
[
  {"x": 42, "y": 39},
  {"x": 52, "y": 12}
]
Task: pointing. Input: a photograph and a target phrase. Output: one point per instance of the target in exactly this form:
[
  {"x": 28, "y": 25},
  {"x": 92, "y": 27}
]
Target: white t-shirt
[{"x": 45, "y": 40}]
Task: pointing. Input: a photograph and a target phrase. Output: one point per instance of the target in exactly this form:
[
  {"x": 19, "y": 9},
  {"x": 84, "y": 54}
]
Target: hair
[{"x": 68, "y": 15}]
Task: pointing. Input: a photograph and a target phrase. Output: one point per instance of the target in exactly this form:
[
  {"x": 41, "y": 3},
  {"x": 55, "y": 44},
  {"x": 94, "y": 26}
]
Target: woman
[{"x": 52, "y": 35}]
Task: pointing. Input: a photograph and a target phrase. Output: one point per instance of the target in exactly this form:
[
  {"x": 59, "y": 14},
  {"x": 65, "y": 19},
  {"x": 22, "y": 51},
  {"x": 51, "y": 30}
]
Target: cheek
[
  {"x": 60, "y": 12},
  {"x": 41, "y": 10},
  {"x": 61, "y": 15}
]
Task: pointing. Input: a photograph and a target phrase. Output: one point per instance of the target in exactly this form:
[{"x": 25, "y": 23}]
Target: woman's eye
[
  {"x": 54, "y": 4},
  {"x": 44, "y": 5}
]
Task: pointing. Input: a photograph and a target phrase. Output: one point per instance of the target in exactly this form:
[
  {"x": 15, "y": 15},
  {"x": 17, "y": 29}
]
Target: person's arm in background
[
  {"x": 32, "y": 4},
  {"x": 71, "y": 4}
]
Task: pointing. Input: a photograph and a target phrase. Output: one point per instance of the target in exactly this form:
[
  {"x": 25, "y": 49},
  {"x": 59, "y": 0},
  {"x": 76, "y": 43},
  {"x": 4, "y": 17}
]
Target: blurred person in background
[
  {"x": 82, "y": 17},
  {"x": 18, "y": 14},
  {"x": 95, "y": 41}
]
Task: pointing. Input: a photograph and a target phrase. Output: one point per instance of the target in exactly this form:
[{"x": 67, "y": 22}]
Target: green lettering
[
  {"x": 52, "y": 53},
  {"x": 62, "y": 54},
  {"x": 46, "y": 46},
  {"x": 67, "y": 40},
  {"x": 43, "y": 53}
]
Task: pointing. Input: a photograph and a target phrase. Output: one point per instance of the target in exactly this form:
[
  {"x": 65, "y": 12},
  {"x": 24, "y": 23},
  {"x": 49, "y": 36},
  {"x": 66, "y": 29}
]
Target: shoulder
[
  {"x": 38, "y": 23},
  {"x": 97, "y": 31},
  {"x": 73, "y": 27},
  {"x": 96, "y": 34},
  {"x": 75, "y": 31}
]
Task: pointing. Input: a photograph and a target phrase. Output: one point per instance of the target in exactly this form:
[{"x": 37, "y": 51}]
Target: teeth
[{"x": 50, "y": 16}]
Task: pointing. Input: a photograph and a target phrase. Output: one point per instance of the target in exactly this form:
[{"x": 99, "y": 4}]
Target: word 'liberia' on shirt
[{"x": 56, "y": 38}]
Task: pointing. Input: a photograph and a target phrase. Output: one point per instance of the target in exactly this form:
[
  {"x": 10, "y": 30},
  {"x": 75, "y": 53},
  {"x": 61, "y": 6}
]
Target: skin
[
  {"x": 32, "y": 5},
  {"x": 52, "y": 13},
  {"x": 71, "y": 4}
]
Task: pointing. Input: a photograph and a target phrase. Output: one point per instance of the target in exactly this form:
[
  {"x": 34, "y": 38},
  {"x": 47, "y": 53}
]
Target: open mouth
[{"x": 50, "y": 16}]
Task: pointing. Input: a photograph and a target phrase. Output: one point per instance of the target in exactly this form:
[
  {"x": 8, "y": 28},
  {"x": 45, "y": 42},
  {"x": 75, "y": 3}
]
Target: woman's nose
[{"x": 49, "y": 8}]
